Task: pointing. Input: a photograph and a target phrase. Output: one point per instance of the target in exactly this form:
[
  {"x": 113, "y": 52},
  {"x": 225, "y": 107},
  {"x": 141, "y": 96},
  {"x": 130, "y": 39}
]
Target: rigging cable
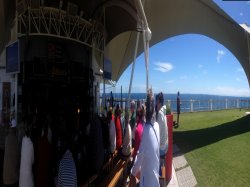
[{"x": 146, "y": 38}]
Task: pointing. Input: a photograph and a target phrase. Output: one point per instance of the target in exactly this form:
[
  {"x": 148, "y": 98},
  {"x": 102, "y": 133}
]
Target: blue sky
[{"x": 195, "y": 63}]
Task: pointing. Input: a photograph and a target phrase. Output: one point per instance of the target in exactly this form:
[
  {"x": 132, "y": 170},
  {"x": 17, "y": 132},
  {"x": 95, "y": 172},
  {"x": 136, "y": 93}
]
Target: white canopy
[{"x": 166, "y": 18}]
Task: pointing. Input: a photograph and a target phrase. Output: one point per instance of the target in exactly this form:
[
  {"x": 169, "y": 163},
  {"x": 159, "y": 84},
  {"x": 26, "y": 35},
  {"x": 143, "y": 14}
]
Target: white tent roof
[
  {"x": 166, "y": 18},
  {"x": 246, "y": 27}
]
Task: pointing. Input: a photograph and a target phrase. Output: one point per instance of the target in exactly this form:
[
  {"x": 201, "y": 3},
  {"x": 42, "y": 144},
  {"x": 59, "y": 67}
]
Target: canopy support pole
[
  {"x": 104, "y": 44},
  {"x": 133, "y": 66},
  {"x": 146, "y": 38},
  {"x": 146, "y": 56}
]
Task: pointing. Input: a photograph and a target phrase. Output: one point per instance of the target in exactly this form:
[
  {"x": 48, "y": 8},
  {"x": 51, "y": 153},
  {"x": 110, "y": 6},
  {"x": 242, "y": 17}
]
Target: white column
[
  {"x": 191, "y": 105},
  {"x": 211, "y": 104},
  {"x": 238, "y": 103}
]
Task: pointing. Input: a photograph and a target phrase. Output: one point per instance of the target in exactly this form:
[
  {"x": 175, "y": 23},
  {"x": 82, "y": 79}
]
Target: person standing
[
  {"x": 111, "y": 102},
  {"x": 127, "y": 140},
  {"x": 95, "y": 146},
  {"x": 67, "y": 171},
  {"x": 27, "y": 160},
  {"x": 112, "y": 132},
  {"x": 178, "y": 104},
  {"x": 11, "y": 157},
  {"x": 138, "y": 130},
  {"x": 132, "y": 120},
  {"x": 162, "y": 120},
  {"x": 146, "y": 165},
  {"x": 44, "y": 156},
  {"x": 118, "y": 128}
]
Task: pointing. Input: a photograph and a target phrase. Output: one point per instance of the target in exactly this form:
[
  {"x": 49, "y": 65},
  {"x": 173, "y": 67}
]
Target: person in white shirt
[
  {"x": 112, "y": 132},
  {"x": 162, "y": 120},
  {"x": 146, "y": 165},
  {"x": 27, "y": 160},
  {"x": 127, "y": 140}
]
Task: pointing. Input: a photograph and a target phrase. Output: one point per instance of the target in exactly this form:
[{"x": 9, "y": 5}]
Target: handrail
[{"x": 202, "y": 104}]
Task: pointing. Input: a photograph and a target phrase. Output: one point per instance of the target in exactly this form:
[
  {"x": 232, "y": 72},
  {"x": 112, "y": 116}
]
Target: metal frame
[{"x": 58, "y": 23}]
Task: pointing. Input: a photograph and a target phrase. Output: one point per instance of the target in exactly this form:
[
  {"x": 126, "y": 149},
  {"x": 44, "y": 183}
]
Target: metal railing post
[
  {"x": 211, "y": 104},
  {"x": 191, "y": 105}
]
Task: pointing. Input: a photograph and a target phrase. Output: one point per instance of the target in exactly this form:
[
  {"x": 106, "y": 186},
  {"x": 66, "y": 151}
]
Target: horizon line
[{"x": 180, "y": 94}]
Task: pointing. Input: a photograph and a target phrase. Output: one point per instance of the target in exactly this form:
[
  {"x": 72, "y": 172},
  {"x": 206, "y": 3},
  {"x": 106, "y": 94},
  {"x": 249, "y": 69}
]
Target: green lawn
[{"x": 217, "y": 146}]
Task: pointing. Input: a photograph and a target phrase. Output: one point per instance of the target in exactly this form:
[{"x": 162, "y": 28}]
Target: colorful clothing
[
  {"x": 112, "y": 136},
  {"x": 118, "y": 129},
  {"x": 138, "y": 136},
  {"x": 147, "y": 159}
]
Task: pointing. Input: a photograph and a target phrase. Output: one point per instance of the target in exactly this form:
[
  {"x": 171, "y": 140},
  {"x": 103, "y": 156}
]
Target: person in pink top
[
  {"x": 138, "y": 130},
  {"x": 118, "y": 128}
]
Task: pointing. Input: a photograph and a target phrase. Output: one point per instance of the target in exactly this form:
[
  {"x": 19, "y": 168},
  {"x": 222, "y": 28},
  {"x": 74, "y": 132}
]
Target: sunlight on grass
[{"x": 216, "y": 146}]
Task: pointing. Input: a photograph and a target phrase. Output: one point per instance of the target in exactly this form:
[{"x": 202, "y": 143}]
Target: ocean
[{"x": 194, "y": 102}]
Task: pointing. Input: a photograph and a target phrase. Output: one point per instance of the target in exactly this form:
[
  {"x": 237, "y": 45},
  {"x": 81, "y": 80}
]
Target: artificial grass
[{"x": 217, "y": 146}]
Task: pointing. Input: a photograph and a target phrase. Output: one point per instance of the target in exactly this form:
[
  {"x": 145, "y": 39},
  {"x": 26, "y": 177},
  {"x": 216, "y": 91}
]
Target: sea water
[{"x": 192, "y": 102}]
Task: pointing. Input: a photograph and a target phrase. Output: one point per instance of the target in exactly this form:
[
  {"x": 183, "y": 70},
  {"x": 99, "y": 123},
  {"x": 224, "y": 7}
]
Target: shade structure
[{"x": 166, "y": 18}]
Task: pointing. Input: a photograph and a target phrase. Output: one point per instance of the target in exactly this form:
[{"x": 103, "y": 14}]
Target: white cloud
[
  {"x": 220, "y": 54},
  {"x": 231, "y": 91},
  {"x": 136, "y": 88},
  {"x": 170, "y": 81},
  {"x": 172, "y": 39},
  {"x": 239, "y": 70},
  {"x": 222, "y": 90},
  {"x": 163, "y": 66},
  {"x": 184, "y": 77},
  {"x": 200, "y": 66},
  {"x": 241, "y": 14},
  {"x": 140, "y": 88},
  {"x": 238, "y": 79}
]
